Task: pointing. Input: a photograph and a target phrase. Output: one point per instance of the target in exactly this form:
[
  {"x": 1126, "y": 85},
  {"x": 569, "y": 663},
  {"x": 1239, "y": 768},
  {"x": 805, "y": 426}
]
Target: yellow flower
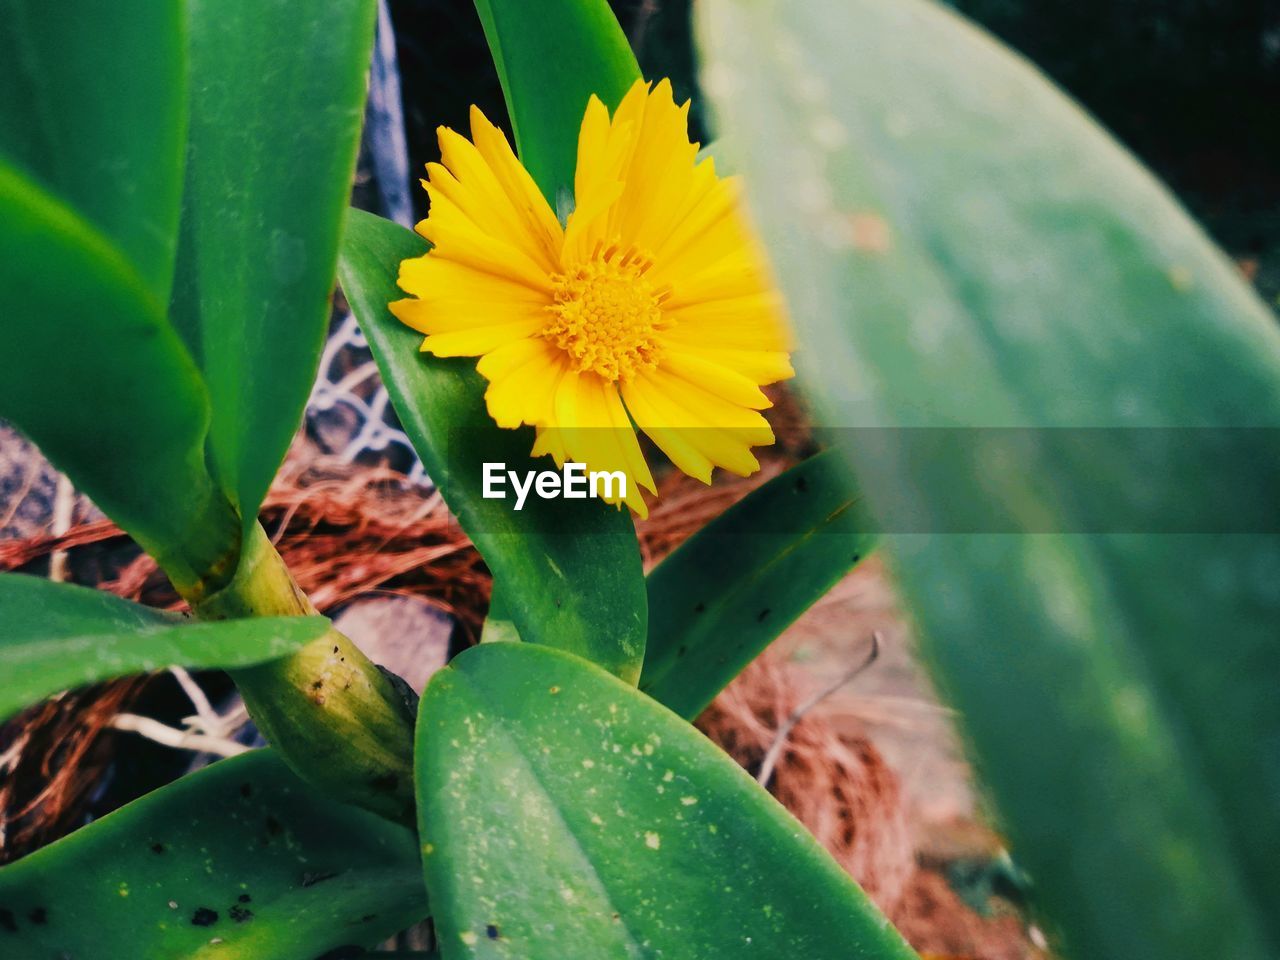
[{"x": 651, "y": 304}]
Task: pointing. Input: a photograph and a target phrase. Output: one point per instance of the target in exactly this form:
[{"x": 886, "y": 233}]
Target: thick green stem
[
  {"x": 204, "y": 558},
  {"x": 337, "y": 719}
]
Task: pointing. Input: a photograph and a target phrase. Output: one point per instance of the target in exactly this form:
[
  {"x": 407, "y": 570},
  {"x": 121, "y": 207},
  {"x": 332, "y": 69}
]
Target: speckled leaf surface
[
  {"x": 963, "y": 249},
  {"x": 568, "y": 570},
  {"x": 239, "y": 861},
  {"x": 729, "y": 590},
  {"x": 565, "y": 814},
  {"x": 54, "y": 636}
]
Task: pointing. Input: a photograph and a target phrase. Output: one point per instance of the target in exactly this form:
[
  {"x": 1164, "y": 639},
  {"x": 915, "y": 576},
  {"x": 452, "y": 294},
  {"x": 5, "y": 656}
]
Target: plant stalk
[{"x": 333, "y": 715}]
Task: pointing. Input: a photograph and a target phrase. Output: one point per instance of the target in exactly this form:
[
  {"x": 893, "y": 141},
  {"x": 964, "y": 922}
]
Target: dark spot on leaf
[
  {"x": 240, "y": 914},
  {"x": 762, "y": 615},
  {"x": 274, "y": 826},
  {"x": 857, "y": 557},
  {"x": 157, "y": 848},
  {"x": 348, "y": 952},
  {"x": 311, "y": 879},
  {"x": 204, "y": 917},
  {"x": 317, "y": 684},
  {"x": 491, "y": 931},
  {"x": 246, "y": 790},
  {"x": 385, "y": 783},
  {"x": 684, "y": 648},
  {"x": 7, "y": 922},
  {"x": 558, "y": 602},
  {"x": 39, "y": 916},
  {"x": 802, "y": 484},
  {"x": 368, "y": 916},
  {"x": 700, "y": 608},
  {"x": 617, "y": 917},
  {"x": 245, "y": 898},
  {"x": 335, "y": 649}
]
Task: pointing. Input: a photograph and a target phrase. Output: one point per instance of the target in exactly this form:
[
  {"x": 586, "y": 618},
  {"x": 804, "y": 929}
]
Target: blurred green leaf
[
  {"x": 963, "y": 248},
  {"x": 90, "y": 370},
  {"x": 277, "y": 93},
  {"x": 569, "y": 570},
  {"x": 93, "y": 106},
  {"x": 736, "y": 584},
  {"x": 565, "y": 814},
  {"x": 241, "y": 860},
  {"x": 54, "y": 636},
  {"x": 551, "y": 58}
]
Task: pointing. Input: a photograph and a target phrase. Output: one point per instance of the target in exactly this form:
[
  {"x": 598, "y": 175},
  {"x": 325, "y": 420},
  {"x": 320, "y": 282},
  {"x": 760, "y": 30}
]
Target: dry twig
[{"x": 771, "y": 755}]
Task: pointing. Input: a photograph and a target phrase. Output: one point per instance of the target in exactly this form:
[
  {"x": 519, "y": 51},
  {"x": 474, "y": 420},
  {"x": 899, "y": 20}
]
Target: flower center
[{"x": 606, "y": 314}]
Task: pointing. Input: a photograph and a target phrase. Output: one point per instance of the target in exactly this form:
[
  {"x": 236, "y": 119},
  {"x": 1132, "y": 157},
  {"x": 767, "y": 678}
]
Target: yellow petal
[
  {"x": 608, "y": 418},
  {"x": 449, "y": 316},
  {"x": 603, "y": 150},
  {"x": 478, "y": 340},
  {"x": 713, "y": 202},
  {"x": 527, "y": 390},
  {"x": 525, "y": 197},
  {"x": 719, "y": 430},
  {"x": 532, "y": 361},
  {"x": 597, "y": 164},
  {"x": 431, "y": 278},
  {"x": 660, "y": 175},
  {"x": 724, "y": 382},
  {"x": 473, "y": 185},
  {"x": 670, "y": 439},
  {"x": 758, "y": 366},
  {"x": 593, "y": 429},
  {"x": 549, "y": 442},
  {"x": 457, "y": 237}
]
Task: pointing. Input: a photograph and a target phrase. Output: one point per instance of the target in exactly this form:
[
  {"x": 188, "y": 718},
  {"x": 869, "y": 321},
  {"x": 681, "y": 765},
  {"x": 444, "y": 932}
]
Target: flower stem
[{"x": 333, "y": 715}]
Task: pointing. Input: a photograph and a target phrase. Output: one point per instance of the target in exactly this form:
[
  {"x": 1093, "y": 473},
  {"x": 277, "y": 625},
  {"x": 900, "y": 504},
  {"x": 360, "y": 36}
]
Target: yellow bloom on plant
[{"x": 651, "y": 304}]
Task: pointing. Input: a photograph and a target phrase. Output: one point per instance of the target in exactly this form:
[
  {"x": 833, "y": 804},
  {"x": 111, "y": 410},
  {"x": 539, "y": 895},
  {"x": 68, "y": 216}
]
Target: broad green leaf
[
  {"x": 240, "y": 861},
  {"x": 551, "y": 58},
  {"x": 963, "y": 248},
  {"x": 277, "y": 91},
  {"x": 54, "y": 636},
  {"x": 569, "y": 570},
  {"x": 91, "y": 372},
  {"x": 737, "y": 583},
  {"x": 565, "y": 814},
  {"x": 93, "y": 106}
]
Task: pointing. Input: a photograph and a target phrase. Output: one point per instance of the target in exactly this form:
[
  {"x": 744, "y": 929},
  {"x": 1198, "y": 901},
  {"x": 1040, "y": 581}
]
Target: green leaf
[
  {"x": 277, "y": 91},
  {"x": 551, "y": 58},
  {"x": 54, "y": 636},
  {"x": 565, "y": 814},
  {"x": 569, "y": 570},
  {"x": 963, "y": 248},
  {"x": 498, "y": 626},
  {"x": 93, "y": 106},
  {"x": 241, "y": 860},
  {"x": 736, "y": 584},
  {"x": 91, "y": 371}
]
